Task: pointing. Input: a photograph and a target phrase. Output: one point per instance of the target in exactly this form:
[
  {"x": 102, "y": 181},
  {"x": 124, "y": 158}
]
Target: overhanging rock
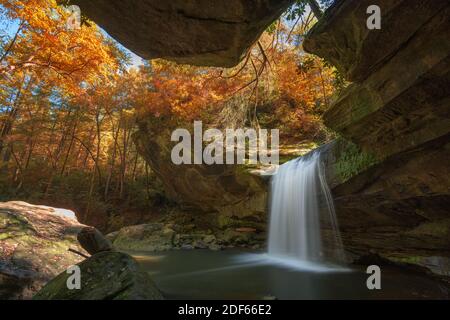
[
  {"x": 398, "y": 100},
  {"x": 199, "y": 32}
]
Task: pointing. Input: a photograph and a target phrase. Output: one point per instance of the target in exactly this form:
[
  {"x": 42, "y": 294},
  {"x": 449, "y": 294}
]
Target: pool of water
[{"x": 204, "y": 274}]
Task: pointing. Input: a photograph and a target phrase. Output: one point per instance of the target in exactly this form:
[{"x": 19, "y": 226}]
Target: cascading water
[{"x": 303, "y": 223}]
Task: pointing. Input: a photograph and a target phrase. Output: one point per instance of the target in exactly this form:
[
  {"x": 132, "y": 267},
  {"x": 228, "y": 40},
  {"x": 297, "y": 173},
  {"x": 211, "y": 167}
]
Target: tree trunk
[{"x": 315, "y": 8}]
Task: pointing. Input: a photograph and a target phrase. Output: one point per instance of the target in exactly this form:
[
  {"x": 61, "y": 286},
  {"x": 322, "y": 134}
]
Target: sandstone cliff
[{"x": 396, "y": 110}]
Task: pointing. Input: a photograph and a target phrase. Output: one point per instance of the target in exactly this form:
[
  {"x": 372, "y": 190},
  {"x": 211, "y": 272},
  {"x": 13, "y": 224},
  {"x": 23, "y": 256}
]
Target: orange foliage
[
  {"x": 293, "y": 88},
  {"x": 45, "y": 46}
]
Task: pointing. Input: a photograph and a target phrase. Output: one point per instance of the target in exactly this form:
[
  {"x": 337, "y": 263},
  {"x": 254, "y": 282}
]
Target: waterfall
[{"x": 303, "y": 222}]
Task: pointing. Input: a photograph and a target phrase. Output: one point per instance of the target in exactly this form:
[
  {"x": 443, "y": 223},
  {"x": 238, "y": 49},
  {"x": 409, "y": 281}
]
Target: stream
[
  {"x": 299, "y": 264},
  {"x": 234, "y": 274}
]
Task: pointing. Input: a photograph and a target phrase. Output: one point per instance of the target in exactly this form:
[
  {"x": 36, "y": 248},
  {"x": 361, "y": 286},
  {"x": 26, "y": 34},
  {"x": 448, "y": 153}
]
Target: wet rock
[
  {"x": 233, "y": 237},
  {"x": 210, "y": 239},
  {"x": 385, "y": 209},
  {"x": 104, "y": 276},
  {"x": 215, "y": 247},
  {"x": 200, "y": 245},
  {"x": 34, "y": 243},
  {"x": 187, "y": 247},
  {"x": 373, "y": 258},
  {"x": 246, "y": 230}
]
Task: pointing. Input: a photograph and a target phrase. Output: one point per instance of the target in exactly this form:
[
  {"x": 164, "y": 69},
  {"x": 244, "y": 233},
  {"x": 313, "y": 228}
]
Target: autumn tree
[{"x": 70, "y": 105}]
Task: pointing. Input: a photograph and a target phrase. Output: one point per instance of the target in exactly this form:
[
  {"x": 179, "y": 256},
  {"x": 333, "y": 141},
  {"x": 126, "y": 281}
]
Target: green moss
[
  {"x": 4, "y": 236},
  {"x": 286, "y": 158},
  {"x": 14, "y": 226},
  {"x": 104, "y": 276},
  {"x": 352, "y": 160},
  {"x": 224, "y": 221},
  {"x": 408, "y": 259},
  {"x": 438, "y": 229}
]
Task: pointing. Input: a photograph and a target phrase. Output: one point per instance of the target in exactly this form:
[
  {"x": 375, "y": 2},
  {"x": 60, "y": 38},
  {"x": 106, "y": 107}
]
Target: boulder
[
  {"x": 201, "y": 32},
  {"x": 93, "y": 241},
  {"x": 34, "y": 244},
  {"x": 145, "y": 237},
  {"x": 104, "y": 276}
]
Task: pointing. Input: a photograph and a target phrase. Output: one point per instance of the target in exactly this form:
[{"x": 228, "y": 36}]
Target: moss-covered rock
[
  {"x": 104, "y": 276},
  {"x": 351, "y": 160},
  {"x": 34, "y": 243},
  {"x": 145, "y": 237}
]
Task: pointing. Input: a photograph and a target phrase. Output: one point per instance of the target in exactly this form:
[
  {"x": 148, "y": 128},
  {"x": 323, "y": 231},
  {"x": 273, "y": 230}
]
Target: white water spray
[{"x": 303, "y": 223}]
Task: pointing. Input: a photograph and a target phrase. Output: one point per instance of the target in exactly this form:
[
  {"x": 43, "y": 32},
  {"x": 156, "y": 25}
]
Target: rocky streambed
[
  {"x": 38, "y": 245},
  {"x": 189, "y": 231},
  {"x": 171, "y": 258}
]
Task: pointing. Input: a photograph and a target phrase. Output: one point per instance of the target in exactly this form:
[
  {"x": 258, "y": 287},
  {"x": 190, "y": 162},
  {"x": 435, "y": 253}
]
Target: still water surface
[{"x": 204, "y": 274}]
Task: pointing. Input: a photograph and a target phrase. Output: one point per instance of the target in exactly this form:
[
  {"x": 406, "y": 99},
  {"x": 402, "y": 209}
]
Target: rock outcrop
[
  {"x": 230, "y": 190},
  {"x": 200, "y": 32},
  {"x": 399, "y": 99},
  {"x": 397, "y": 208},
  {"x": 34, "y": 243},
  {"x": 104, "y": 276},
  {"x": 397, "y": 112}
]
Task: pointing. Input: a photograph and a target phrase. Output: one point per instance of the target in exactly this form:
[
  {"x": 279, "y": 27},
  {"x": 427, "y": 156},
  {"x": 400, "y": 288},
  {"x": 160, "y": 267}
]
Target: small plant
[{"x": 352, "y": 160}]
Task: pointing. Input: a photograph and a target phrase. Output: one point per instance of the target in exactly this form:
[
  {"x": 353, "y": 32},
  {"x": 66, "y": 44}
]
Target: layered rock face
[
  {"x": 228, "y": 190},
  {"x": 199, "y": 32},
  {"x": 397, "y": 110},
  {"x": 34, "y": 244},
  {"x": 399, "y": 96},
  {"x": 397, "y": 208}
]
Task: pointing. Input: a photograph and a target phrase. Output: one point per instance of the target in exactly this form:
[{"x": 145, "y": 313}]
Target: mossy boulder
[
  {"x": 104, "y": 276},
  {"x": 34, "y": 243},
  {"x": 145, "y": 237}
]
